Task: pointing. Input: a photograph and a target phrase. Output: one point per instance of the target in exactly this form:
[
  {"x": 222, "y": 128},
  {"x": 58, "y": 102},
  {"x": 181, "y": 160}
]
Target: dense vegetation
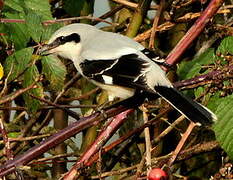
[{"x": 40, "y": 96}]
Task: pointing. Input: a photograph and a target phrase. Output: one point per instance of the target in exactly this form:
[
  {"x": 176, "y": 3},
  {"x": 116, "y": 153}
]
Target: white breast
[{"x": 116, "y": 91}]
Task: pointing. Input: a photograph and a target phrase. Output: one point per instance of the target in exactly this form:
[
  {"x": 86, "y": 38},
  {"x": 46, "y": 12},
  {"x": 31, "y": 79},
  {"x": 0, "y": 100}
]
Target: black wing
[{"x": 125, "y": 71}]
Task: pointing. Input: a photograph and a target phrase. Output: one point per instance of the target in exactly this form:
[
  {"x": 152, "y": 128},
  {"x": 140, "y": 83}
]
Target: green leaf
[
  {"x": 49, "y": 30},
  {"x": 226, "y": 46},
  {"x": 18, "y": 62},
  {"x": 224, "y": 126},
  {"x": 199, "y": 91},
  {"x": 41, "y": 8},
  {"x": 30, "y": 76},
  {"x": 192, "y": 68},
  {"x": 17, "y": 32},
  {"x": 73, "y": 7},
  {"x": 55, "y": 72},
  {"x": 14, "y": 134},
  {"x": 14, "y": 4},
  {"x": 34, "y": 26}
]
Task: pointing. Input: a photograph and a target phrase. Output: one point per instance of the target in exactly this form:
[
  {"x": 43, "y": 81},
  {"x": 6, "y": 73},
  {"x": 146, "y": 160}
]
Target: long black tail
[{"x": 189, "y": 108}]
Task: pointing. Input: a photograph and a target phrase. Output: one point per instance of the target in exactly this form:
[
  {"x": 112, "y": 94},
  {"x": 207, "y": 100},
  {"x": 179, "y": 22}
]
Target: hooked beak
[{"x": 44, "y": 50}]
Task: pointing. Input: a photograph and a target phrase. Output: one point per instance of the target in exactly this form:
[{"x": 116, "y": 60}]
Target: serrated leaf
[
  {"x": 226, "y": 46},
  {"x": 41, "y": 8},
  {"x": 34, "y": 26},
  {"x": 29, "y": 77},
  {"x": 192, "y": 68},
  {"x": 55, "y": 72},
  {"x": 49, "y": 30},
  {"x": 17, "y": 32},
  {"x": 224, "y": 126},
  {"x": 14, "y": 4},
  {"x": 18, "y": 62}
]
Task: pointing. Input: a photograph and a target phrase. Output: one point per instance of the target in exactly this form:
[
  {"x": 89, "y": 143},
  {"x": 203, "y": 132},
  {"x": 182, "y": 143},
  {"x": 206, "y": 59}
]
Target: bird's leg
[{"x": 103, "y": 107}]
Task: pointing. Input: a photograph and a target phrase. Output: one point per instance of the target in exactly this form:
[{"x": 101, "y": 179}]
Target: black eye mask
[{"x": 74, "y": 37}]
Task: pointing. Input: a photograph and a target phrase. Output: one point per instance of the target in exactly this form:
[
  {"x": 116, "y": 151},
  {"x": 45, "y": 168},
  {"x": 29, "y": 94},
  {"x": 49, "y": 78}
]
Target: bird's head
[
  {"x": 64, "y": 44},
  {"x": 67, "y": 41}
]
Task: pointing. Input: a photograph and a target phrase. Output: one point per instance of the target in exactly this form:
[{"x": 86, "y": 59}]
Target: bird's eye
[{"x": 61, "y": 39}]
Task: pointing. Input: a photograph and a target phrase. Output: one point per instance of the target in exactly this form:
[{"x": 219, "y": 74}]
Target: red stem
[
  {"x": 56, "y": 139},
  {"x": 111, "y": 128},
  {"x": 193, "y": 32}
]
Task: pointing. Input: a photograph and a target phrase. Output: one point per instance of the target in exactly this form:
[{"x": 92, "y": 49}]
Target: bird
[{"x": 121, "y": 66}]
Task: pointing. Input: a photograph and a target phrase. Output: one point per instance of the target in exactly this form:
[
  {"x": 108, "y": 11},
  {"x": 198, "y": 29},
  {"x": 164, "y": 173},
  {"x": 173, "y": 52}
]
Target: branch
[
  {"x": 155, "y": 24},
  {"x": 57, "y": 138},
  {"x": 109, "y": 130},
  {"x": 168, "y": 25},
  {"x": 137, "y": 18},
  {"x": 15, "y": 94},
  {"x": 218, "y": 75},
  {"x": 183, "y": 155},
  {"x": 181, "y": 143},
  {"x": 56, "y": 20},
  {"x": 193, "y": 32},
  {"x": 126, "y": 3},
  {"x": 134, "y": 132}
]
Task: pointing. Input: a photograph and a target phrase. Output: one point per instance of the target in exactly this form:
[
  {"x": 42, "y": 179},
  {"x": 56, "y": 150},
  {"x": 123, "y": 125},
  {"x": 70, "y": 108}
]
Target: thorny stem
[
  {"x": 57, "y": 138},
  {"x": 193, "y": 32},
  {"x": 211, "y": 77},
  {"x": 134, "y": 132},
  {"x": 111, "y": 128}
]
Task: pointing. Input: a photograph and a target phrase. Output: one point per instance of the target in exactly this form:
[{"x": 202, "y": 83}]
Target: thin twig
[
  {"x": 57, "y": 138},
  {"x": 126, "y": 3},
  {"x": 75, "y": 18},
  {"x": 66, "y": 86},
  {"x": 155, "y": 24},
  {"x": 167, "y": 130},
  {"x": 109, "y": 13},
  {"x": 2, "y": 20},
  {"x": 185, "y": 154},
  {"x": 15, "y": 94},
  {"x": 147, "y": 140},
  {"x": 51, "y": 158},
  {"x": 181, "y": 143},
  {"x": 83, "y": 96},
  {"x": 134, "y": 132},
  {"x": 9, "y": 153},
  {"x": 27, "y": 138}
]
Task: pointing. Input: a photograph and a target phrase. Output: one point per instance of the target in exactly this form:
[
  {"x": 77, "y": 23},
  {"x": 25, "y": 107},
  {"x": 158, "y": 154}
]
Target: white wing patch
[{"x": 143, "y": 72}]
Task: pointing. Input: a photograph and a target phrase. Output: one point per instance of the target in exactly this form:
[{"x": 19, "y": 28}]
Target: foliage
[
  {"x": 221, "y": 106},
  {"x": 38, "y": 89}
]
